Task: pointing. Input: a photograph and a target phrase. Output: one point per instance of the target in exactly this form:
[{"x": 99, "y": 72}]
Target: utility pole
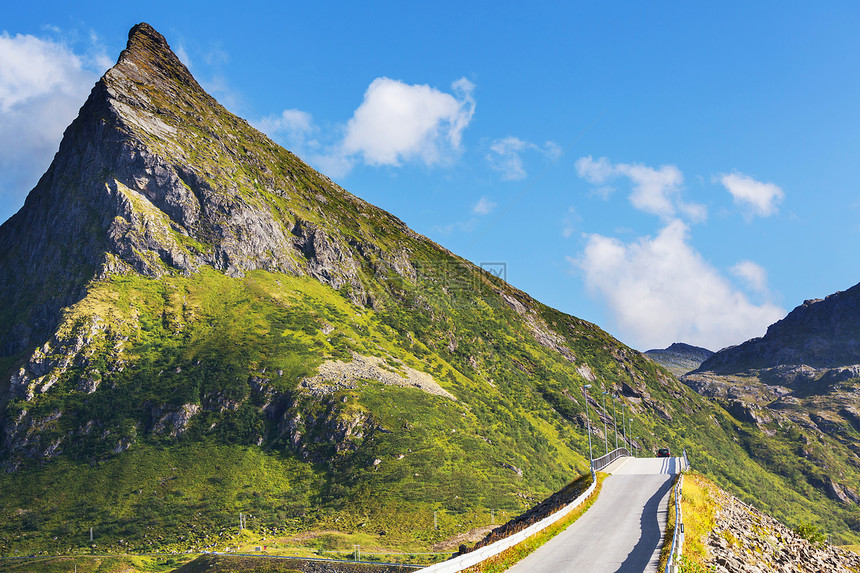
[
  {"x": 605, "y": 438},
  {"x": 91, "y": 534},
  {"x": 588, "y": 422}
]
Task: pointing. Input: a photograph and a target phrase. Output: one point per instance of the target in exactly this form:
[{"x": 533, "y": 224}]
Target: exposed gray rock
[
  {"x": 747, "y": 540},
  {"x": 176, "y": 423}
]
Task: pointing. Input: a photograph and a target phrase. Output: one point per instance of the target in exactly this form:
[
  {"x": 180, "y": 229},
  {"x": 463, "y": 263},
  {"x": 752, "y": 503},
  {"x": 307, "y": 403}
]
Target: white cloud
[
  {"x": 484, "y": 206},
  {"x": 506, "y": 156},
  {"x": 570, "y": 221},
  {"x": 755, "y": 197},
  {"x": 395, "y": 123},
  {"x": 654, "y": 191},
  {"x": 31, "y": 68},
  {"x": 42, "y": 86},
  {"x": 292, "y": 127},
  {"x": 459, "y": 226},
  {"x": 660, "y": 290},
  {"x": 183, "y": 56},
  {"x": 399, "y": 122},
  {"x": 595, "y": 172},
  {"x": 753, "y": 275}
]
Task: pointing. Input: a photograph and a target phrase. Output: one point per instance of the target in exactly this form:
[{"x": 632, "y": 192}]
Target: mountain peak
[
  {"x": 146, "y": 45},
  {"x": 148, "y": 66},
  {"x": 679, "y": 358},
  {"x": 145, "y": 35},
  {"x": 155, "y": 177}
]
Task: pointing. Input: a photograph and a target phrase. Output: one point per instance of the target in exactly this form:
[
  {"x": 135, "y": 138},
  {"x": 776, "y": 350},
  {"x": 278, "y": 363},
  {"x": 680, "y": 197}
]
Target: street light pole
[
  {"x": 588, "y": 422},
  {"x": 627, "y": 421},
  {"x": 605, "y": 439},
  {"x": 624, "y": 423},
  {"x": 614, "y": 422}
]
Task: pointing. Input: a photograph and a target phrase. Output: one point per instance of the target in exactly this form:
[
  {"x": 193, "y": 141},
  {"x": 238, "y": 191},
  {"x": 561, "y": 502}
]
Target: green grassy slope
[{"x": 236, "y": 346}]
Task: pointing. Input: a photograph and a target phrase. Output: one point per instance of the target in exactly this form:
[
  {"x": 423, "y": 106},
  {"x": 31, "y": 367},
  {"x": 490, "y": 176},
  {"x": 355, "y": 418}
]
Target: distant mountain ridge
[{"x": 680, "y": 358}]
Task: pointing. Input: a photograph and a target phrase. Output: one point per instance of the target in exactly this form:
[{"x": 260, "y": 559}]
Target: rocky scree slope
[
  {"x": 194, "y": 323},
  {"x": 747, "y": 540}
]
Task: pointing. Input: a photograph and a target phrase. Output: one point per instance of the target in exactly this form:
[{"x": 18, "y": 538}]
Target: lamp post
[
  {"x": 636, "y": 445},
  {"x": 624, "y": 423},
  {"x": 614, "y": 422},
  {"x": 605, "y": 439},
  {"x": 588, "y": 422},
  {"x": 630, "y": 428},
  {"x": 627, "y": 421}
]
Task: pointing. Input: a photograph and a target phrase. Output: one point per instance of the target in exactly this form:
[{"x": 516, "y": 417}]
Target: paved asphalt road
[{"x": 623, "y": 530}]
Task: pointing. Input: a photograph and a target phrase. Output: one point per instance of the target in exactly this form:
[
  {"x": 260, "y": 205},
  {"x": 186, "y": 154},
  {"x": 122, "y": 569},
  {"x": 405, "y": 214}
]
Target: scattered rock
[{"x": 747, "y": 540}]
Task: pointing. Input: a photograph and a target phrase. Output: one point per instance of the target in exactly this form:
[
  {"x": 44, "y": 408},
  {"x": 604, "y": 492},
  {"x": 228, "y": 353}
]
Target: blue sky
[{"x": 667, "y": 171}]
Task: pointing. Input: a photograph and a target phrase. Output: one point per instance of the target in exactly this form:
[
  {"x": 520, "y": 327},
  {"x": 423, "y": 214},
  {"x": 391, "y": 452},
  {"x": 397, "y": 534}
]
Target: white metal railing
[
  {"x": 461, "y": 562},
  {"x": 678, "y": 538},
  {"x": 607, "y": 459}
]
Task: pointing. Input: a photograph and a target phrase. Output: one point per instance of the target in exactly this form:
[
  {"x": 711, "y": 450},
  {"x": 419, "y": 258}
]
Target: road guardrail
[
  {"x": 604, "y": 461},
  {"x": 678, "y": 538},
  {"x": 462, "y": 562}
]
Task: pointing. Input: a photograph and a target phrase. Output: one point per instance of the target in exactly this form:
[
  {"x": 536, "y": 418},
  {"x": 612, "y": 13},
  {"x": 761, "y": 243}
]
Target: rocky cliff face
[{"x": 819, "y": 333}]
